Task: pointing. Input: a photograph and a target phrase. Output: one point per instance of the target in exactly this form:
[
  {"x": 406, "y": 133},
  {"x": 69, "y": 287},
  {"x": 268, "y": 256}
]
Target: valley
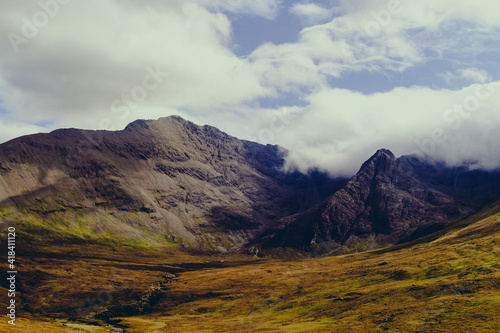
[
  {"x": 445, "y": 282},
  {"x": 168, "y": 226}
]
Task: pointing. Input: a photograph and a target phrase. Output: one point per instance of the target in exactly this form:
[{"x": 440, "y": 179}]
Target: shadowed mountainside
[{"x": 387, "y": 201}]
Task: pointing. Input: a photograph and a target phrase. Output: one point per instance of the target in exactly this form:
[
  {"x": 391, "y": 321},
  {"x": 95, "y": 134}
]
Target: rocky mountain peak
[
  {"x": 383, "y": 157},
  {"x": 384, "y": 153},
  {"x": 385, "y": 202}
]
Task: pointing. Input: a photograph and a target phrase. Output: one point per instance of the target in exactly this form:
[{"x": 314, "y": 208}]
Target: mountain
[
  {"x": 103, "y": 220},
  {"x": 167, "y": 180},
  {"x": 388, "y": 201}
]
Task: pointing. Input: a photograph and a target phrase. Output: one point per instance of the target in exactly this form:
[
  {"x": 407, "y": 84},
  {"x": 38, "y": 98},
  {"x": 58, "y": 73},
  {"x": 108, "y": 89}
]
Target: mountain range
[
  {"x": 172, "y": 181},
  {"x": 167, "y": 226}
]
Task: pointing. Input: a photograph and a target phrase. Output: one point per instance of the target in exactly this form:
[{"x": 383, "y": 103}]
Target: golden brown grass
[{"x": 449, "y": 283}]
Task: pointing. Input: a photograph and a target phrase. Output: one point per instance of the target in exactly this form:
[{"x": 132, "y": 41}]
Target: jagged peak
[
  {"x": 384, "y": 152},
  {"x": 380, "y": 155}
]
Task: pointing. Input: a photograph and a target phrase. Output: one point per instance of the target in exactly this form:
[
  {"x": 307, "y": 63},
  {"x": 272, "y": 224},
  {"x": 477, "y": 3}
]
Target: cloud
[
  {"x": 311, "y": 12},
  {"x": 379, "y": 36},
  {"x": 71, "y": 71},
  {"x": 265, "y": 8},
  {"x": 11, "y": 130},
  {"x": 340, "y": 129},
  {"x": 468, "y": 75},
  {"x": 102, "y": 64},
  {"x": 475, "y": 75}
]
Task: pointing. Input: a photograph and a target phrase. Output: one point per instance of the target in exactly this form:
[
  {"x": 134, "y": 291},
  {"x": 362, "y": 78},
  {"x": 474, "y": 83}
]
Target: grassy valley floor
[{"x": 449, "y": 282}]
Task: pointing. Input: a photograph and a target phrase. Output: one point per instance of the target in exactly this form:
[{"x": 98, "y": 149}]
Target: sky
[{"x": 331, "y": 81}]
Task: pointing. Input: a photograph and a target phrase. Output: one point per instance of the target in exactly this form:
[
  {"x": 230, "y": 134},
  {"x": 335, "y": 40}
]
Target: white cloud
[
  {"x": 311, "y": 12},
  {"x": 474, "y": 75},
  {"x": 468, "y": 75},
  {"x": 340, "y": 129},
  {"x": 265, "y": 8},
  {"x": 82, "y": 60},
  {"x": 380, "y": 36},
  {"x": 9, "y": 129},
  {"x": 84, "y": 63}
]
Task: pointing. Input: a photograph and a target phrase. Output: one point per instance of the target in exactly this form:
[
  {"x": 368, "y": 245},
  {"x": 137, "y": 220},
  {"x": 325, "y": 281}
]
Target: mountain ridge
[
  {"x": 170, "y": 180},
  {"x": 389, "y": 200},
  {"x": 163, "y": 179}
]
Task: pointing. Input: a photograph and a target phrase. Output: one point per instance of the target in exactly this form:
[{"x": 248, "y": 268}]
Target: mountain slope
[
  {"x": 447, "y": 282},
  {"x": 387, "y": 201},
  {"x": 165, "y": 180}
]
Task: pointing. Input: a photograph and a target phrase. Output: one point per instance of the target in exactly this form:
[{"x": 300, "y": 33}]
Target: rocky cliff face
[
  {"x": 164, "y": 180},
  {"x": 387, "y": 201}
]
